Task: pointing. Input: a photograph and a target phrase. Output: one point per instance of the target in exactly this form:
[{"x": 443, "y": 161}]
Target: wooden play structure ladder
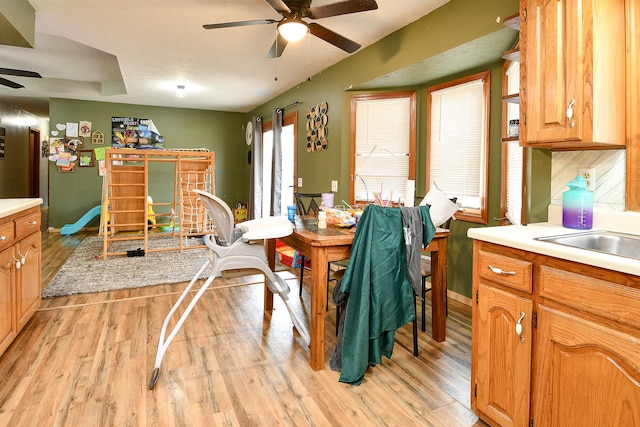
[{"x": 127, "y": 213}]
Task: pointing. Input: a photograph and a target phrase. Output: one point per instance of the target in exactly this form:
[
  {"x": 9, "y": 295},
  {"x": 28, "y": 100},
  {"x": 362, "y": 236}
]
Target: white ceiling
[{"x": 138, "y": 51}]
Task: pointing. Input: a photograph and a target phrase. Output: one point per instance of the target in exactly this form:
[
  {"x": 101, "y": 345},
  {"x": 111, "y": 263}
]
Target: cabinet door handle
[
  {"x": 570, "y": 113},
  {"x": 32, "y": 222},
  {"x": 519, "y": 326},
  {"x": 3, "y": 238},
  {"x": 500, "y": 271}
]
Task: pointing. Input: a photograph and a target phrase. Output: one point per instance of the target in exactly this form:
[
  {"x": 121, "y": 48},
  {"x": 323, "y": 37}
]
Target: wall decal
[
  {"x": 85, "y": 128},
  {"x": 72, "y": 130}
]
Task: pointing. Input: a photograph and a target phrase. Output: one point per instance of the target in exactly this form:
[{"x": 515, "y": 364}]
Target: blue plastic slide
[{"x": 69, "y": 229}]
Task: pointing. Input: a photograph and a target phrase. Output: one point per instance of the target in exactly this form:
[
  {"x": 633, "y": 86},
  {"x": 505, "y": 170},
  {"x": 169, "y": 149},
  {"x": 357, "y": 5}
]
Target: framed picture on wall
[
  {"x": 86, "y": 158},
  {"x": 67, "y": 169}
]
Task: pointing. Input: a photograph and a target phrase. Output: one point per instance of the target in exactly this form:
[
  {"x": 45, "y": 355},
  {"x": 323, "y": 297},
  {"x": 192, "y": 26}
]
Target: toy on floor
[{"x": 151, "y": 215}]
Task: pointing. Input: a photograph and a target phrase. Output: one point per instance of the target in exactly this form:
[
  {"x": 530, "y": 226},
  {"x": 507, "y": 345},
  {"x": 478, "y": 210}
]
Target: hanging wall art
[
  {"x": 86, "y": 158},
  {"x": 97, "y": 137},
  {"x": 317, "y": 130}
]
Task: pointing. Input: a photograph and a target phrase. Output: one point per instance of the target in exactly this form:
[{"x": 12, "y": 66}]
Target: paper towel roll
[{"x": 409, "y": 193}]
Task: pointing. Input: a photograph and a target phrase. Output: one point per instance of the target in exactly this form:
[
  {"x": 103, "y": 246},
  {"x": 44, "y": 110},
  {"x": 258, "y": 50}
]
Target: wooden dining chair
[
  {"x": 425, "y": 271},
  {"x": 307, "y": 204}
]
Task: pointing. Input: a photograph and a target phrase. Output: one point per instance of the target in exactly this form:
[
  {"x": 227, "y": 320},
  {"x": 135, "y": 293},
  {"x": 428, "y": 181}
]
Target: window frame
[
  {"x": 480, "y": 215},
  {"x": 506, "y": 165},
  {"x": 412, "y": 95}
]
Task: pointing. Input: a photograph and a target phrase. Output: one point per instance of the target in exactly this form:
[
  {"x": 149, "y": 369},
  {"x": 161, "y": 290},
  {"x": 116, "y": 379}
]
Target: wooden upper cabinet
[
  {"x": 633, "y": 105},
  {"x": 574, "y": 71}
]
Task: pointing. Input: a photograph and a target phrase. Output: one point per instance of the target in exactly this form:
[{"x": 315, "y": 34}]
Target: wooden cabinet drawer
[
  {"x": 7, "y": 235},
  {"x": 596, "y": 296},
  {"x": 27, "y": 224},
  {"x": 507, "y": 271}
]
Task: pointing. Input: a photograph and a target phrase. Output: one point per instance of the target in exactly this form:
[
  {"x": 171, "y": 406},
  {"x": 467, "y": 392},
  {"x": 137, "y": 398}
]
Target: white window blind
[
  {"x": 382, "y": 147},
  {"x": 514, "y": 153},
  {"x": 514, "y": 182},
  {"x": 457, "y": 145}
]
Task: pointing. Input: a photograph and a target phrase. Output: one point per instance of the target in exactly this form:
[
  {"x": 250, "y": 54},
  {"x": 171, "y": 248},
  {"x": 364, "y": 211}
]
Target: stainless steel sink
[{"x": 608, "y": 242}]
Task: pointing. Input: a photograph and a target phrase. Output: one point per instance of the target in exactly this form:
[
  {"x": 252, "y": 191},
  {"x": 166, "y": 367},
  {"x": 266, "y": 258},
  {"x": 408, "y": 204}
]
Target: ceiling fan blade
[
  {"x": 19, "y": 73},
  {"x": 279, "y": 5},
  {"x": 277, "y": 47},
  {"x": 334, "y": 38},
  {"x": 9, "y": 83},
  {"x": 341, "y": 8},
  {"x": 239, "y": 24}
]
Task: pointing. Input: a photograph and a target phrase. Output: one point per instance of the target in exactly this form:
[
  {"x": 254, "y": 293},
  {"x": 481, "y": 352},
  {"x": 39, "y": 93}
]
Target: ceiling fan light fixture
[
  {"x": 292, "y": 29},
  {"x": 181, "y": 91}
]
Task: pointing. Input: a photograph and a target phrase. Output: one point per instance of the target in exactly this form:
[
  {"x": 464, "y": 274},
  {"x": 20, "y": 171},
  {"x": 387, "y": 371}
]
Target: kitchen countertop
[
  {"x": 521, "y": 237},
  {"x": 11, "y": 206}
]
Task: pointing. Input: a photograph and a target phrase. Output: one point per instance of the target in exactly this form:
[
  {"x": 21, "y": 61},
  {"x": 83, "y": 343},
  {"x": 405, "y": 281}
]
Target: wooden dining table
[{"x": 333, "y": 244}]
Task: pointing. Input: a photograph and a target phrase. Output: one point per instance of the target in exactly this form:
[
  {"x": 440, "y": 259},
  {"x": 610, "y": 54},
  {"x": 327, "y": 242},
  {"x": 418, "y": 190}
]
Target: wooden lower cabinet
[
  {"x": 20, "y": 267},
  {"x": 28, "y": 292},
  {"x": 7, "y": 289},
  {"x": 575, "y": 358},
  {"x": 501, "y": 387},
  {"x": 587, "y": 374}
]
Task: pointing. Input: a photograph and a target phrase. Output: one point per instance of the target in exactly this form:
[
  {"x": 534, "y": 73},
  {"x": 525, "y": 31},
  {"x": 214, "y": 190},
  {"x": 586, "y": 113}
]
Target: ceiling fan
[
  {"x": 293, "y": 11},
  {"x": 19, "y": 73}
]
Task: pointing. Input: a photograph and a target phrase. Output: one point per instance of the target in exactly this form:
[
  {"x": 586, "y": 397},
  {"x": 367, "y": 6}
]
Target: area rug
[{"x": 85, "y": 271}]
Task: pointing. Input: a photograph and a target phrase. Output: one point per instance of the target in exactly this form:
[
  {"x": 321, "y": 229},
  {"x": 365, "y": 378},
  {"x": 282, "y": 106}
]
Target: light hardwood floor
[{"x": 85, "y": 360}]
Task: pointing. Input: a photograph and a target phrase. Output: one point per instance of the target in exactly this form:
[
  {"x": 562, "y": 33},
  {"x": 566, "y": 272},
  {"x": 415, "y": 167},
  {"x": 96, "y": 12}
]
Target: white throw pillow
[{"x": 441, "y": 207}]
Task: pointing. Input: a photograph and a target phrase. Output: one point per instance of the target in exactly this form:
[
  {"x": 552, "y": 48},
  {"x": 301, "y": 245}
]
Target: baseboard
[
  {"x": 57, "y": 230},
  {"x": 459, "y": 298}
]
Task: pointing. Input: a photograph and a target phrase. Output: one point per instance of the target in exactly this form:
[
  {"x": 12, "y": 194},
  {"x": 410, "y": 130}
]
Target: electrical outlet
[
  {"x": 589, "y": 174},
  {"x": 299, "y": 182},
  {"x": 334, "y": 186}
]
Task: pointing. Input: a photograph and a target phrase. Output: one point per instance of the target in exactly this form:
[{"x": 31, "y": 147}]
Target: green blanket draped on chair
[{"x": 380, "y": 292}]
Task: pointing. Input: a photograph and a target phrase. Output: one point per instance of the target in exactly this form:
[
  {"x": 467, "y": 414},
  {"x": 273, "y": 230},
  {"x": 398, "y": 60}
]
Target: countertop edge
[
  {"x": 12, "y": 206},
  {"x": 522, "y": 237}
]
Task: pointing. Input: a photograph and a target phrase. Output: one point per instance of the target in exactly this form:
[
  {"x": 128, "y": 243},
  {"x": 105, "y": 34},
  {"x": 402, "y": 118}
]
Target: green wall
[
  {"x": 73, "y": 194},
  {"x": 454, "y": 24}
]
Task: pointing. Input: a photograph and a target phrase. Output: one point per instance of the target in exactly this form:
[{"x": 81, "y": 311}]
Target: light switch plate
[
  {"x": 299, "y": 182},
  {"x": 334, "y": 186}
]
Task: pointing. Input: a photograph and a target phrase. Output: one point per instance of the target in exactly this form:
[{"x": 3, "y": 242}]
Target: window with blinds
[
  {"x": 383, "y": 145},
  {"x": 513, "y": 166},
  {"x": 458, "y": 142},
  {"x": 512, "y": 153}
]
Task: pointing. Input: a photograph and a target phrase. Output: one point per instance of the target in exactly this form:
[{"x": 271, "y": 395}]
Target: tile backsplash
[{"x": 610, "y": 166}]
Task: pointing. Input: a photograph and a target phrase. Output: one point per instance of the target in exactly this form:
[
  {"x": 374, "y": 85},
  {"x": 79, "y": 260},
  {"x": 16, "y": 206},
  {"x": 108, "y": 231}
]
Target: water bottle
[{"x": 577, "y": 205}]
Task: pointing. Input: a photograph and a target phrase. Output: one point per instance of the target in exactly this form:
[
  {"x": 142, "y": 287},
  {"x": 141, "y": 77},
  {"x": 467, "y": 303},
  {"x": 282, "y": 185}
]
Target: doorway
[
  {"x": 289, "y": 162},
  {"x": 34, "y": 163}
]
